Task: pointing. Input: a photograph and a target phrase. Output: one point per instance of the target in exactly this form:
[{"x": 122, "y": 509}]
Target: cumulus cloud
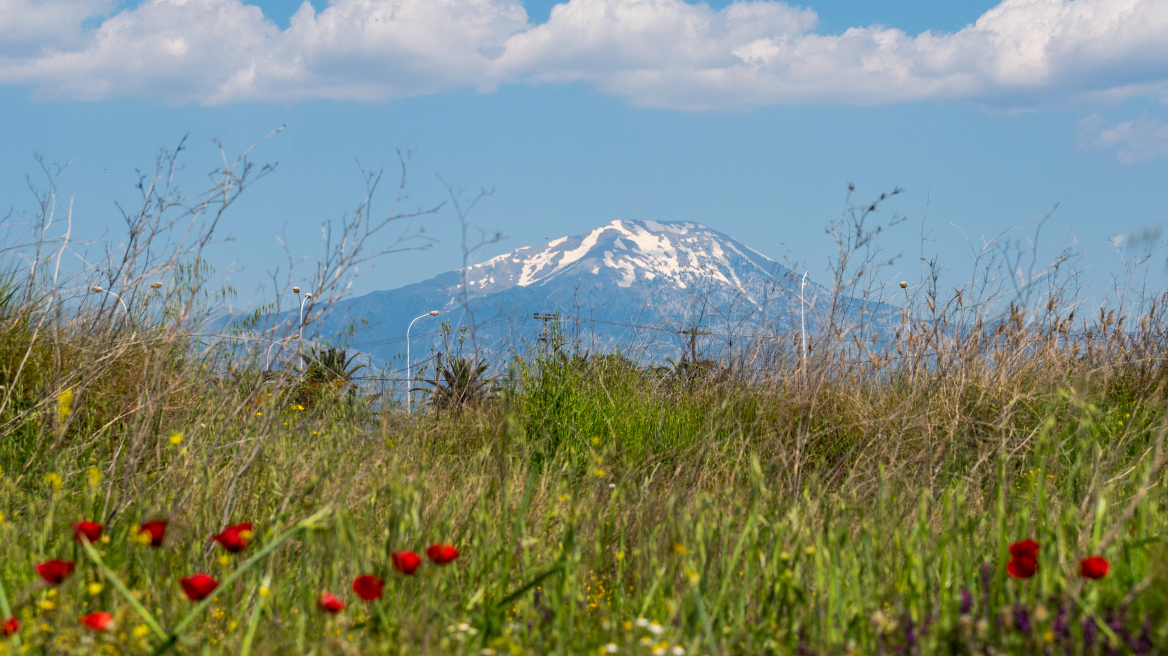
[
  {"x": 661, "y": 53},
  {"x": 28, "y": 25},
  {"x": 1021, "y": 51},
  {"x": 1134, "y": 141}
]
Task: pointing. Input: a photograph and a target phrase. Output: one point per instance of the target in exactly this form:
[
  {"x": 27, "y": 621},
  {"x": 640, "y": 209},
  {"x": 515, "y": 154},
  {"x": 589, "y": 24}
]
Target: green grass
[{"x": 595, "y": 507}]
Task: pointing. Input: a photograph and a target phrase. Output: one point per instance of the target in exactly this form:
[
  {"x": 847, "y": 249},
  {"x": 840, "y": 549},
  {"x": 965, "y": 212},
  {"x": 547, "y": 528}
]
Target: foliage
[
  {"x": 329, "y": 372},
  {"x": 459, "y": 381},
  {"x": 858, "y": 501}
]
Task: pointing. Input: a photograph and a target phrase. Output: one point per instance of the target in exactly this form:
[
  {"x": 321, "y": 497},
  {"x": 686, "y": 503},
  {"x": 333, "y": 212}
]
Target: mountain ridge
[{"x": 671, "y": 274}]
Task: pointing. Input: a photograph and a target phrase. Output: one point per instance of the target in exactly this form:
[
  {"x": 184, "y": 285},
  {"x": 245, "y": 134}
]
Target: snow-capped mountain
[
  {"x": 624, "y": 282},
  {"x": 682, "y": 256}
]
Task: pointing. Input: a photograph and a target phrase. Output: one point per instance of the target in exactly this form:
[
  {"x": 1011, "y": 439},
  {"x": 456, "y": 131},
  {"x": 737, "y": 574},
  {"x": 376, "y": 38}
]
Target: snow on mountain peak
[{"x": 677, "y": 254}]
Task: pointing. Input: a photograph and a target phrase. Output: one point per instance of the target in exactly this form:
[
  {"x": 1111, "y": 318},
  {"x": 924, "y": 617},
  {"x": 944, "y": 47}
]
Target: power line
[{"x": 493, "y": 323}]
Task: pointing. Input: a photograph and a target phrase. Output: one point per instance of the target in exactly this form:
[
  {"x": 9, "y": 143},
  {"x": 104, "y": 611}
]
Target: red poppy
[
  {"x": 100, "y": 621},
  {"x": 330, "y": 604},
  {"x": 198, "y": 587},
  {"x": 89, "y": 530},
  {"x": 440, "y": 554},
  {"x": 1094, "y": 567},
  {"x": 234, "y": 538},
  {"x": 1027, "y": 547},
  {"x": 368, "y": 587},
  {"x": 156, "y": 530},
  {"x": 406, "y": 562},
  {"x": 54, "y": 572},
  {"x": 1023, "y": 559},
  {"x": 9, "y": 627},
  {"x": 1022, "y": 568}
]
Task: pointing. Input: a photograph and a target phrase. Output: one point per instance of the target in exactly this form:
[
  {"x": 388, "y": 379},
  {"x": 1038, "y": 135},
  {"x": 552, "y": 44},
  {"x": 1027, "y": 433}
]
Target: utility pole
[
  {"x": 546, "y": 338},
  {"x": 693, "y": 341}
]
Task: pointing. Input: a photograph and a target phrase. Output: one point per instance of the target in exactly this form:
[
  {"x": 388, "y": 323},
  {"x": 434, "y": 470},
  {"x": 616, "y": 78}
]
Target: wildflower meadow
[
  {"x": 582, "y": 511},
  {"x": 987, "y": 480}
]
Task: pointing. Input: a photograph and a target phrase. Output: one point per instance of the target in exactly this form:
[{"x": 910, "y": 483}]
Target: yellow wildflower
[
  {"x": 54, "y": 481},
  {"x": 140, "y": 536},
  {"x": 176, "y": 438},
  {"x": 65, "y": 404},
  {"x": 94, "y": 476},
  {"x": 94, "y": 589},
  {"x": 45, "y": 604},
  {"x": 141, "y": 631}
]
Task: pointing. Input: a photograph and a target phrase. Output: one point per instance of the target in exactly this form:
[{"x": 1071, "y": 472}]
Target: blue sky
[{"x": 751, "y": 123}]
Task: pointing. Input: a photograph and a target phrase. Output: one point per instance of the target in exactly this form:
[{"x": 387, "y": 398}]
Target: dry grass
[{"x": 860, "y": 501}]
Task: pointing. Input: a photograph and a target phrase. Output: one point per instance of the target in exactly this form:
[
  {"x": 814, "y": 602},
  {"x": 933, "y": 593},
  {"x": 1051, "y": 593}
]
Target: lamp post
[
  {"x": 300, "y": 330},
  {"x": 99, "y": 290},
  {"x": 268, "y": 353},
  {"x": 802, "y": 316},
  {"x": 409, "y": 363}
]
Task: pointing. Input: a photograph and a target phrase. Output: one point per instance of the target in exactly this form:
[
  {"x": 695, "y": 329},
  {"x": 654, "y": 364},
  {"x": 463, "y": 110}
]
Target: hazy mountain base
[
  {"x": 632, "y": 286},
  {"x": 832, "y": 509}
]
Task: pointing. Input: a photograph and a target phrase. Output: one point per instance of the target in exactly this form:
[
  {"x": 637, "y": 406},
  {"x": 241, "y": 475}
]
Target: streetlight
[
  {"x": 99, "y": 290},
  {"x": 409, "y": 364},
  {"x": 280, "y": 343},
  {"x": 802, "y": 316},
  {"x": 300, "y": 333}
]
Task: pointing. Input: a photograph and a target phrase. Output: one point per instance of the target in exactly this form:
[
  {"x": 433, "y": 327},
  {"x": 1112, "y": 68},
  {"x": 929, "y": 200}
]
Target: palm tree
[
  {"x": 328, "y": 368},
  {"x": 459, "y": 382},
  {"x": 687, "y": 372}
]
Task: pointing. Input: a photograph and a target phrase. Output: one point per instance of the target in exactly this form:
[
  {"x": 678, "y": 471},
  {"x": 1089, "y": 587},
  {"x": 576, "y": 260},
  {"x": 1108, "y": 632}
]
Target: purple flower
[
  {"x": 1021, "y": 619},
  {"x": 1061, "y": 630},
  {"x": 1089, "y": 630},
  {"x": 910, "y": 634},
  {"x": 966, "y": 601},
  {"x": 1144, "y": 644},
  {"x": 1115, "y": 621}
]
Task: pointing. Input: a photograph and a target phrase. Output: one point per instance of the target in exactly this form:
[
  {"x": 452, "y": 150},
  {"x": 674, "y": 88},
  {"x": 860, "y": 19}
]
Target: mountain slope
[{"x": 663, "y": 275}]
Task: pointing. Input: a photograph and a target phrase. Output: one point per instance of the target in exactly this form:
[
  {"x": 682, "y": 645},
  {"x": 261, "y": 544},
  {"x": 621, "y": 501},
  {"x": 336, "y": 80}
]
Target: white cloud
[
  {"x": 662, "y": 53},
  {"x": 1022, "y": 51},
  {"x": 26, "y": 25},
  {"x": 218, "y": 51},
  {"x": 1134, "y": 141}
]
